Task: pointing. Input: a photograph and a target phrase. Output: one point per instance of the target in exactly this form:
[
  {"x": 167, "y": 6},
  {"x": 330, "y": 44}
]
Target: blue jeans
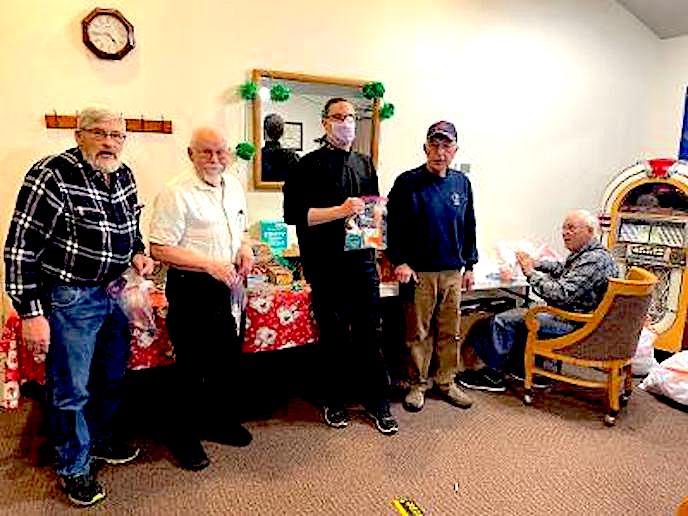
[
  {"x": 506, "y": 337},
  {"x": 86, "y": 362}
]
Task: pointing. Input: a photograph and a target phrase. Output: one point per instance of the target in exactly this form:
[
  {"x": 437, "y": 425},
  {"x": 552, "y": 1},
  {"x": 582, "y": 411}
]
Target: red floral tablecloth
[{"x": 276, "y": 318}]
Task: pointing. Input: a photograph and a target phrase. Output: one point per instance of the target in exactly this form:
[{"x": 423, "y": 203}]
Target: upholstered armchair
[{"x": 606, "y": 341}]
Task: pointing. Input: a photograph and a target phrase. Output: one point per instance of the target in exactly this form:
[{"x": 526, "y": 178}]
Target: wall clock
[{"x": 107, "y": 33}]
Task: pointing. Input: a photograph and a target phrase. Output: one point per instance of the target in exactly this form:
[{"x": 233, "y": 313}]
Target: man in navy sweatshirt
[{"x": 431, "y": 242}]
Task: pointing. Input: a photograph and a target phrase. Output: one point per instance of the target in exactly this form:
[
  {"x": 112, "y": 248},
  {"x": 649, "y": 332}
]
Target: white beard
[{"x": 106, "y": 166}]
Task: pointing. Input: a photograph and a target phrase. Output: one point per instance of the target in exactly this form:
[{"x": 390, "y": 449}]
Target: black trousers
[
  {"x": 207, "y": 349},
  {"x": 346, "y": 303}
]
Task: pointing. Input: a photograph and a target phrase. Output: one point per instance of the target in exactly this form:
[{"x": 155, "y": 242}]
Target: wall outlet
[{"x": 465, "y": 168}]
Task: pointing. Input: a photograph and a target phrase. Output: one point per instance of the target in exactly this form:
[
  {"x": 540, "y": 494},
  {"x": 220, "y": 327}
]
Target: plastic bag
[
  {"x": 644, "y": 358},
  {"x": 367, "y": 230},
  {"x": 132, "y": 293},
  {"x": 670, "y": 378},
  {"x": 238, "y": 300},
  {"x": 506, "y": 257}
]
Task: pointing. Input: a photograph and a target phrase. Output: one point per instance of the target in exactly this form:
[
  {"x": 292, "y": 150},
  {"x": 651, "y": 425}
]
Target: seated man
[{"x": 577, "y": 285}]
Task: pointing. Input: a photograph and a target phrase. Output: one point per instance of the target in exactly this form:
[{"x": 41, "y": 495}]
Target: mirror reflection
[{"x": 285, "y": 131}]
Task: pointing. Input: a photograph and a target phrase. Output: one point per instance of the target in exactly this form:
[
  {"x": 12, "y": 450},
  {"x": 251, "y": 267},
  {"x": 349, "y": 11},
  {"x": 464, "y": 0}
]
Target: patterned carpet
[{"x": 497, "y": 458}]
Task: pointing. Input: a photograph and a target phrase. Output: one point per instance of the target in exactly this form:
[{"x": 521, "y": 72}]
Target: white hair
[
  {"x": 589, "y": 220},
  {"x": 92, "y": 115}
]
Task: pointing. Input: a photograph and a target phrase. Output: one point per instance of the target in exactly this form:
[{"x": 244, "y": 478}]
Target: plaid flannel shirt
[
  {"x": 69, "y": 227},
  {"x": 578, "y": 284}
]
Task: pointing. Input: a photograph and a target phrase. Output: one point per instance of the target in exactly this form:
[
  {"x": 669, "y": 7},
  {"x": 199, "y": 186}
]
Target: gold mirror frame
[{"x": 257, "y": 124}]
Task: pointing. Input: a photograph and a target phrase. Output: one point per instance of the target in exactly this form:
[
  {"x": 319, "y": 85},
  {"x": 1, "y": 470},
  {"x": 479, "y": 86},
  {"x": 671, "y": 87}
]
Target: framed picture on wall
[{"x": 293, "y": 136}]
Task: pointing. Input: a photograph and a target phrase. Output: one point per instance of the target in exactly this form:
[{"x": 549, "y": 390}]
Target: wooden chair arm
[{"x": 532, "y": 322}]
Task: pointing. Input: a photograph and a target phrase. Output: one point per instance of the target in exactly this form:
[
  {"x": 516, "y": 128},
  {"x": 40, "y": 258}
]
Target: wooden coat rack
[{"x": 134, "y": 125}]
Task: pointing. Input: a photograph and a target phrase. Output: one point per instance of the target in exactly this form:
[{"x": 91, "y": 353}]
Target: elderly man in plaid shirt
[
  {"x": 75, "y": 228},
  {"x": 576, "y": 285}
]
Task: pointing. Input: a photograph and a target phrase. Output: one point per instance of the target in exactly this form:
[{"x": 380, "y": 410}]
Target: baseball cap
[{"x": 442, "y": 128}]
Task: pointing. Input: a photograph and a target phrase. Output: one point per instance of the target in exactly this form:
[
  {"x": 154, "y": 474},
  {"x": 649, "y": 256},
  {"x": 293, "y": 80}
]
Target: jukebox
[{"x": 644, "y": 222}]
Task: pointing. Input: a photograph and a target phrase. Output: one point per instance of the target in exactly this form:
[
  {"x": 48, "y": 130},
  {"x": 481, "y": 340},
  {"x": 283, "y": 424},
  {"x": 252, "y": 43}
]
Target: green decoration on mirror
[
  {"x": 245, "y": 150},
  {"x": 373, "y": 90},
  {"x": 387, "y": 111},
  {"x": 248, "y": 90},
  {"x": 279, "y": 93}
]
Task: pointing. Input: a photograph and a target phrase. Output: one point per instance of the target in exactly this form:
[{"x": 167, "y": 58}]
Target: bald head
[
  {"x": 209, "y": 154},
  {"x": 578, "y": 229}
]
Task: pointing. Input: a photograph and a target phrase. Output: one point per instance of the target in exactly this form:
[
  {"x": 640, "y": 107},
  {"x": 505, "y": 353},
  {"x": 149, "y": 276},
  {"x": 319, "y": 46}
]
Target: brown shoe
[
  {"x": 454, "y": 395},
  {"x": 415, "y": 399}
]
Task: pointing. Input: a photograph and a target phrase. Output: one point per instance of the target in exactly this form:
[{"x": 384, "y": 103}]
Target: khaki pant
[{"x": 433, "y": 324}]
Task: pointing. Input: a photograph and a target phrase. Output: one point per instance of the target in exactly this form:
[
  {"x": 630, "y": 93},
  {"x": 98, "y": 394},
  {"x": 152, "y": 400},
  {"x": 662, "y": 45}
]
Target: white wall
[
  {"x": 663, "y": 131},
  {"x": 548, "y": 96}
]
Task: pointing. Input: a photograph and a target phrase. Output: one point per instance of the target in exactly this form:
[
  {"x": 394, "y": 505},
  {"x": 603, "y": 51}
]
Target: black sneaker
[
  {"x": 232, "y": 435},
  {"x": 115, "y": 454},
  {"x": 482, "y": 380},
  {"x": 384, "y": 421},
  {"x": 82, "y": 490},
  {"x": 539, "y": 382},
  {"x": 336, "y": 417},
  {"x": 190, "y": 454}
]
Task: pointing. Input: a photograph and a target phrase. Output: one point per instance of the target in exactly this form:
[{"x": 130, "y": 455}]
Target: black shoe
[
  {"x": 115, "y": 454},
  {"x": 190, "y": 455},
  {"x": 233, "y": 435},
  {"x": 384, "y": 421},
  {"x": 336, "y": 417},
  {"x": 482, "y": 380},
  {"x": 539, "y": 382},
  {"x": 82, "y": 490}
]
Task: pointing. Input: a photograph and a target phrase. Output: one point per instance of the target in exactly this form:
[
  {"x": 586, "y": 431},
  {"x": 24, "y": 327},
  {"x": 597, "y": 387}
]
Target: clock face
[{"x": 108, "y": 34}]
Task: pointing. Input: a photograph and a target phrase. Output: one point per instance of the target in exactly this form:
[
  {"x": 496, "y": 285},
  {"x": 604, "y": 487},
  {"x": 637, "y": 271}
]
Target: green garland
[
  {"x": 387, "y": 111},
  {"x": 279, "y": 93},
  {"x": 373, "y": 90},
  {"x": 248, "y": 90},
  {"x": 245, "y": 150}
]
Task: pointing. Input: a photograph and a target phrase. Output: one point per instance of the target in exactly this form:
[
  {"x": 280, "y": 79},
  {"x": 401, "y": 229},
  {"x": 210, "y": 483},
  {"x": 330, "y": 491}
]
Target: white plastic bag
[
  {"x": 132, "y": 293},
  {"x": 670, "y": 378},
  {"x": 644, "y": 358}
]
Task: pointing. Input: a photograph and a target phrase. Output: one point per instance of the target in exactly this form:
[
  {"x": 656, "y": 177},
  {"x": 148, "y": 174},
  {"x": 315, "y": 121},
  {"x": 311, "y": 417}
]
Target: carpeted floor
[{"x": 497, "y": 458}]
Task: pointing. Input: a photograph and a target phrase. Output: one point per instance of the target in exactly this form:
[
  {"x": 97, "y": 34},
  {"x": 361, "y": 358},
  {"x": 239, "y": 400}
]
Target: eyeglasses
[
  {"x": 207, "y": 154},
  {"x": 340, "y": 117},
  {"x": 102, "y": 135},
  {"x": 445, "y": 146}
]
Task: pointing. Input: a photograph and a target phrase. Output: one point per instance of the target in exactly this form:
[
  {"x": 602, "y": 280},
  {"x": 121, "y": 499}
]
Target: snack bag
[
  {"x": 132, "y": 293},
  {"x": 367, "y": 230}
]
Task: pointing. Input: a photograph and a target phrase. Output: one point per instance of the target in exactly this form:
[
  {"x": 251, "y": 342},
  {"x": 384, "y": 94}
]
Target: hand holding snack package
[
  {"x": 368, "y": 229},
  {"x": 132, "y": 293}
]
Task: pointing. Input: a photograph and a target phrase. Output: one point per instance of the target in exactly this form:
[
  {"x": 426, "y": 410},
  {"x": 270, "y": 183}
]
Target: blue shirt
[{"x": 430, "y": 221}]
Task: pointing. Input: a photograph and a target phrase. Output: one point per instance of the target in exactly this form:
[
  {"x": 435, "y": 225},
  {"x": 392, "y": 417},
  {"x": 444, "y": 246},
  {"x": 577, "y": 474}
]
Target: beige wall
[
  {"x": 668, "y": 99},
  {"x": 548, "y": 96}
]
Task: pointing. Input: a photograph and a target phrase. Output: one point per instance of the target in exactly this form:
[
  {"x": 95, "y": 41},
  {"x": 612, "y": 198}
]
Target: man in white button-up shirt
[{"x": 199, "y": 230}]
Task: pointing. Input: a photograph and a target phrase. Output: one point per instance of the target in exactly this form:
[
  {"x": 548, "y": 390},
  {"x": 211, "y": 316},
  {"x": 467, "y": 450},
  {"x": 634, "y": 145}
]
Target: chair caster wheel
[
  {"x": 527, "y": 399},
  {"x": 609, "y": 420}
]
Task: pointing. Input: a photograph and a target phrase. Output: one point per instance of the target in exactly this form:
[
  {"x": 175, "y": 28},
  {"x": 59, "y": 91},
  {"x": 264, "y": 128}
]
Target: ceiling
[{"x": 666, "y": 18}]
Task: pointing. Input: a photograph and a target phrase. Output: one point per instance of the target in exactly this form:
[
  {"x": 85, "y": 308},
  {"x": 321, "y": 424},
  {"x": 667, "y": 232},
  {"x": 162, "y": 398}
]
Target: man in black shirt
[
  {"x": 276, "y": 161},
  {"x": 324, "y": 189}
]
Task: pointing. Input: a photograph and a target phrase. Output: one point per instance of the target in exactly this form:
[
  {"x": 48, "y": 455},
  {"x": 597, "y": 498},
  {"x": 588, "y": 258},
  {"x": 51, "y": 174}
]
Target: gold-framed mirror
[{"x": 302, "y": 122}]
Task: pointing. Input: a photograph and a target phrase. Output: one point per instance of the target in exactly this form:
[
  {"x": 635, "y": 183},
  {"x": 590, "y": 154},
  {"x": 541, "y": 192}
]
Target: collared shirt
[
  {"x": 69, "y": 226},
  {"x": 431, "y": 222},
  {"x": 192, "y": 214},
  {"x": 578, "y": 284},
  {"x": 324, "y": 178}
]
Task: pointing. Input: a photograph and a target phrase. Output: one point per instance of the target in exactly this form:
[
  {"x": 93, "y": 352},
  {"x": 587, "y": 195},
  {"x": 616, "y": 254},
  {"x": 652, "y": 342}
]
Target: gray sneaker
[
  {"x": 455, "y": 396},
  {"x": 415, "y": 399}
]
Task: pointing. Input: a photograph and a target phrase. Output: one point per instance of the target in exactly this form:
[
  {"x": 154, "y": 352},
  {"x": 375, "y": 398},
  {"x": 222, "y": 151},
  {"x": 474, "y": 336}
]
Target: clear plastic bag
[
  {"x": 367, "y": 230},
  {"x": 132, "y": 293},
  {"x": 239, "y": 300}
]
